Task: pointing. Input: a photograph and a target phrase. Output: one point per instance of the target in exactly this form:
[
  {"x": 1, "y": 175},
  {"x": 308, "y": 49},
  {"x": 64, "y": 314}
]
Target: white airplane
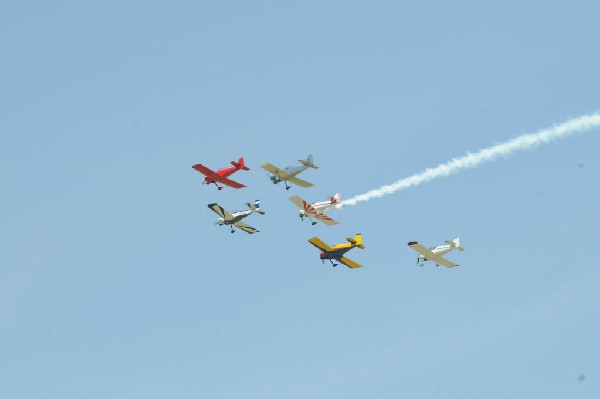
[
  {"x": 435, "y": 254},
  {"x": 235, "y": 218},
  {"x": 289, "y": 174},
  {"x": 316, "y": 210}
]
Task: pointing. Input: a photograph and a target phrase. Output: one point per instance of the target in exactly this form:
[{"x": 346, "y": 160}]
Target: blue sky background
[{"x": 114, "y": 282}]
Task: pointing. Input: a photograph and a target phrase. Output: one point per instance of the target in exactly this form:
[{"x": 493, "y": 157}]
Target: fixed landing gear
[
  {"x": 304, "y": 216},
  {"x": 286, "y": 186},
  {"x": 332, "y": 264},
  {"x": 232, "y": 230}
]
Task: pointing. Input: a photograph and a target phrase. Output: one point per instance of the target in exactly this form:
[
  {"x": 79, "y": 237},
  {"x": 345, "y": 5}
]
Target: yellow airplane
[{"x": 337, "y": 251}]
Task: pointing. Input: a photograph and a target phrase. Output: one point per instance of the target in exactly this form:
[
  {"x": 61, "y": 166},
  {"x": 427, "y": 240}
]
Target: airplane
[
  {"x": 235, "y": 218},
  {"x": 220, "y": 176},
  {"x": 317, "y": 209},
  {"x": 289, "y": 174},
  {"x": 434, "y": 254},
  {"x": 337, "y": 251}
]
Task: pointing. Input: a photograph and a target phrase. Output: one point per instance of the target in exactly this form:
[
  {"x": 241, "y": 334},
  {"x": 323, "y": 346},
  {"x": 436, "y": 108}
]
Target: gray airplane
[
  {"x": 289, "y": 174},
  {"x": 235, "y": 218}
]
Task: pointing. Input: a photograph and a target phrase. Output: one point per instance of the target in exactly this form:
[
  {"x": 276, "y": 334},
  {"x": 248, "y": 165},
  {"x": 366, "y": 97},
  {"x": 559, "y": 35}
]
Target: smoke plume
[{"x": 525, "y": 142}]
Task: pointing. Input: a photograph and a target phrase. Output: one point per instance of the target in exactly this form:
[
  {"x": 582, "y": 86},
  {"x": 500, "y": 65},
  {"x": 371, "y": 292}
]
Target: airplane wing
[
  {"x": 430, "y": 255},
  {"x": 320, "y": 244},
  {"x": 217, "y": 177},
  {"x": 228, "y": 182},
  {"x": 422, "y": 250},
  {"x": 275, "y": 170},
  {"x": 205, "y": 171},
  {"x": 243, "y": 226},
  {"x": 326, "y": 219},
  {"x": 216, "y": 208},
  {"x": 443, "y": 261},
  {"x": 298, "y": 182},
  {"x": 305, "y": 206},
  {"x": 350, "y": 263}
]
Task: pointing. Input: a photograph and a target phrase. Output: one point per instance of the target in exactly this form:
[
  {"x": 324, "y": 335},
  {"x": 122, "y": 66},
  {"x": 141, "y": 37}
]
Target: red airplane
[{"x": 220, "y": 176}]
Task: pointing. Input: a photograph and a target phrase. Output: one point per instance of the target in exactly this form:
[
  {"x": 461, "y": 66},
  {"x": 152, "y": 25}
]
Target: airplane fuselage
[
  {"x": 237, "y": 216},
  {"x": 338, "y": 251},
  {"x": 320, "y": 207},
  {"x": 290, "y": 170},
  {"x": 225, "y": 172},
  {"x": 441, "y": 251}
]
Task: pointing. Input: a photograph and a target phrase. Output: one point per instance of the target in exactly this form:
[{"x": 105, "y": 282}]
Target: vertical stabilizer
[
  {"x": 240, "y": 164},
  {"x": 356, "y": 241},
  {"x": 255, "y": 207},
  {"x": 336, "y": 199},
  {"x": 456, "y": 242}
]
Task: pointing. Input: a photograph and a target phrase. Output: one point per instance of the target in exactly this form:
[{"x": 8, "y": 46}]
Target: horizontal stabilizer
[{"x": 309, "y": 162}]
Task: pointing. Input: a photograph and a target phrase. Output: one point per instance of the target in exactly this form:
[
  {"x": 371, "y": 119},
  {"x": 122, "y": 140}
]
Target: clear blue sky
[{"x": 115, "y": 283}]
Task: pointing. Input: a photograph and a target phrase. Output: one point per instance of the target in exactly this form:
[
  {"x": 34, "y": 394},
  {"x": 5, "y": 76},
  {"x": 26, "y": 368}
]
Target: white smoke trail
[{"x": 582, "y": 123}]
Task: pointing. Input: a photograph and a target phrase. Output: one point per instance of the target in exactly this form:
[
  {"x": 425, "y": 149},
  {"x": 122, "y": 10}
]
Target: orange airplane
[{"x": 221, "y": 175}]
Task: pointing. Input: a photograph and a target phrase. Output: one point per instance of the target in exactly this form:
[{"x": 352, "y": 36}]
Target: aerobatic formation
[
  {"x": 318, "y": 210},
  {"x": 315, "y": 211}
]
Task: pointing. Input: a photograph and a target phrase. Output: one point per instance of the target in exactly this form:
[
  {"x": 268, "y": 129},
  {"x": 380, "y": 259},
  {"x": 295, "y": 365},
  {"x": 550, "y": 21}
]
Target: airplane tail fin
[
  {"x": 308, "y": 162},
  {"x": 255, "y": 207},
  {"x": 356, "y": 241},
  {"x": 336, "y": 199},
  {"x": 455, "y": 243},
  {"x": 240, "y": 164}
]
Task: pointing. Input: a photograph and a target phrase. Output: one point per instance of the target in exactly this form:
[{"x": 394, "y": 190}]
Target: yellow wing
[
  {"x": 350, "y": 263},
  {"x": 274, "y": 170},
  {"x": 320, "y": 244}
]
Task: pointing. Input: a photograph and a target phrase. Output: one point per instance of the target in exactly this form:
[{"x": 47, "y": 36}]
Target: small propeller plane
[
  {"x": 235, "y": 218},
  {"x": 317, "y": 209},
  {"x": 289, "y": 174},
  {"x": 337, "y": 251},
  {"x": 434, "y": 254},
  {"x": 221, "y": 175}
]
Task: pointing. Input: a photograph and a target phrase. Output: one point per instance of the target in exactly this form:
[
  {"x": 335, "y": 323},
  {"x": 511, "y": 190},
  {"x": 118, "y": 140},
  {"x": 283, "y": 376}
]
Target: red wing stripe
[{"x": 308, "y": 208}]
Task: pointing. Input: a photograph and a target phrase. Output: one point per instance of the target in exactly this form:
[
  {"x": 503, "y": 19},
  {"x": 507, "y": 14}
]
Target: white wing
[{"x": 326, "y": 219}]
